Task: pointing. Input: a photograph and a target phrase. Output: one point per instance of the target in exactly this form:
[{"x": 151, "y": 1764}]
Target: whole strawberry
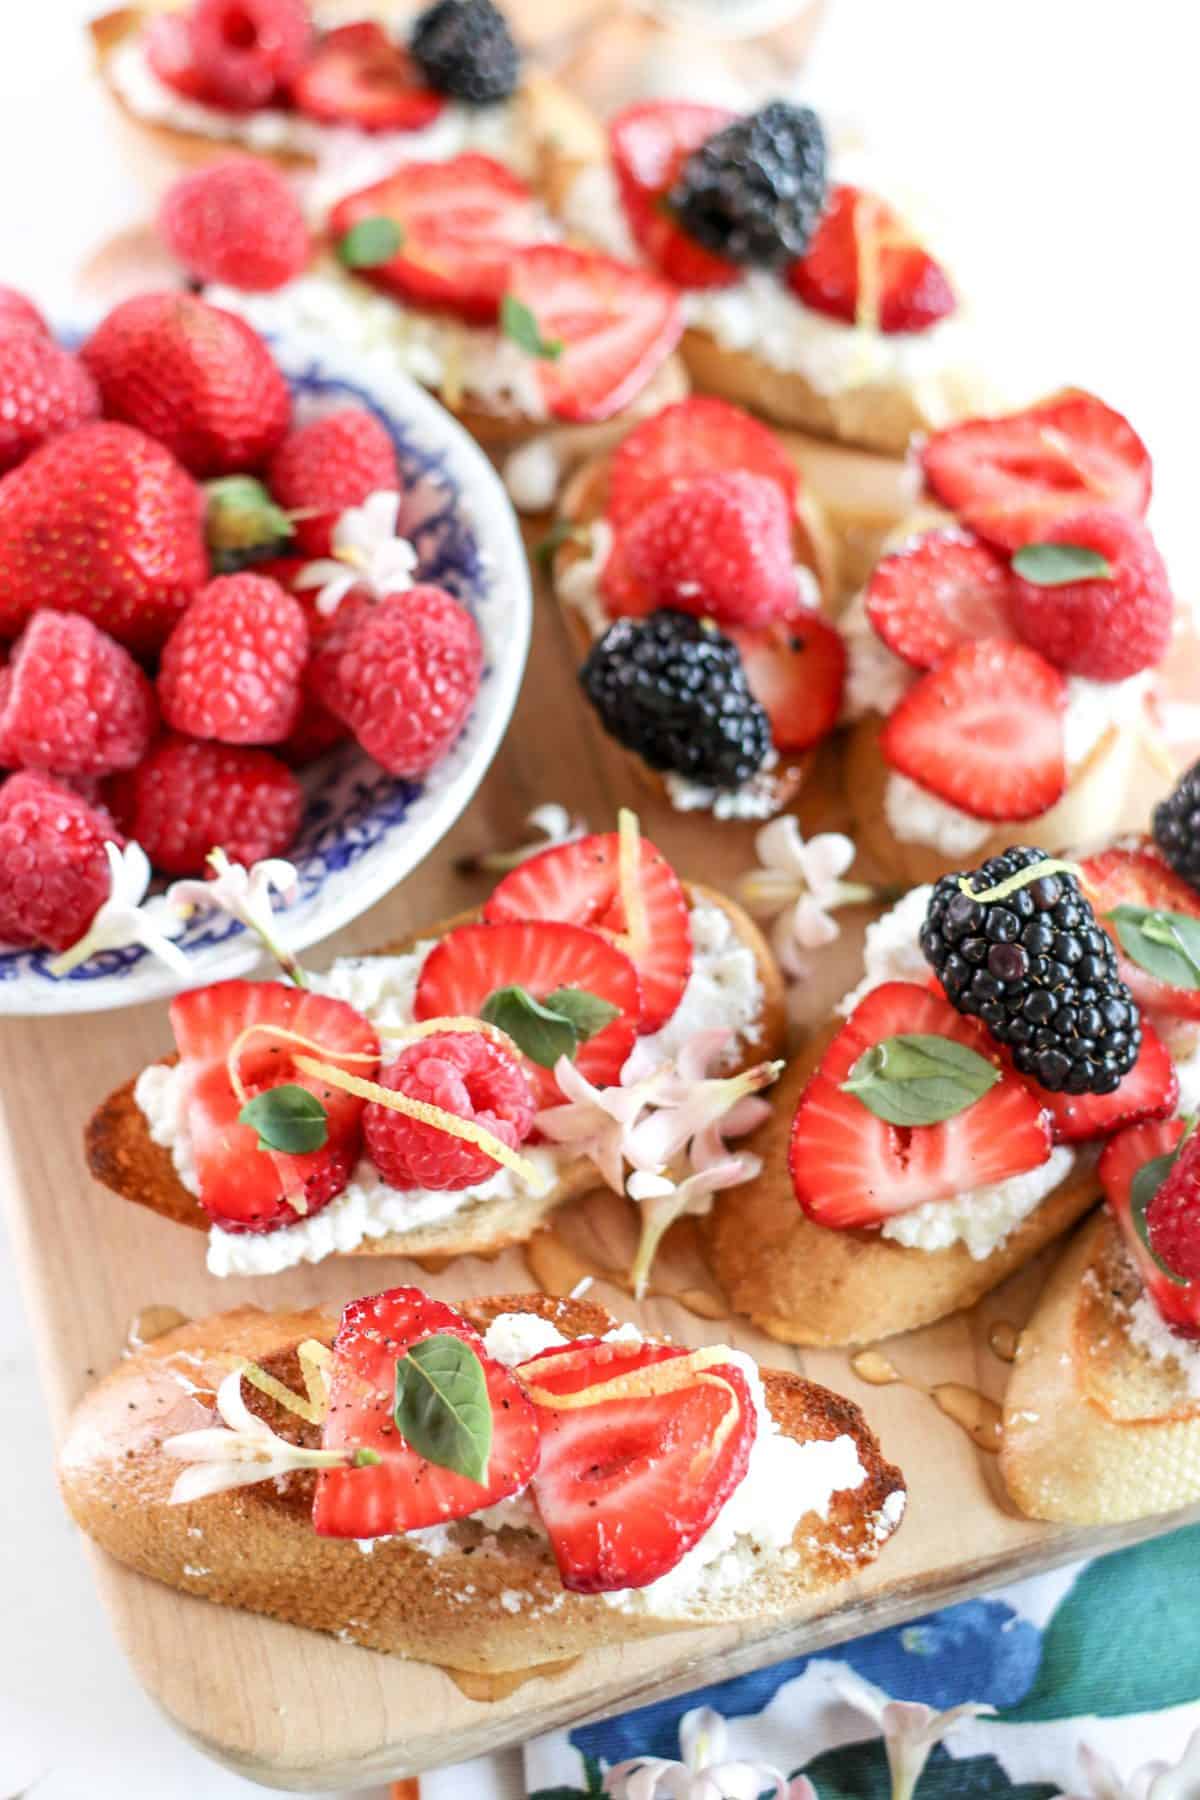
[
  {"x": 236, "y": 221},
  {"x": 717, "y": 545},
  {"x": 17, "y": 310},
  {"x": 403, "y": 676},
  {"x": 1109, "y": 625},
  {"x": 185, "y": 798},
  {"x": 327, "y": 465},
  {"x": 53, "y": 870},
  {"x": 101, "y": 521},
  {"x": 44, "y": 390},
  {"x": 244, "y": 51},
  {"x": 194, "y": 377},
  {"x": 233, "y": 665},
  {"x": 74, "y": 702}
]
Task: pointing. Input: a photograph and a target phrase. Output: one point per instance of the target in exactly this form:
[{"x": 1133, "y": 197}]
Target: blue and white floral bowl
[{"x": 363, "y": 830}]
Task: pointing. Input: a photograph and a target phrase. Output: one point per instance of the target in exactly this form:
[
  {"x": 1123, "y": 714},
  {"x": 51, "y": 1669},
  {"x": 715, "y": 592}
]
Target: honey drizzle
[
  {"x": 558, "y": 1268},
  {"x": 1003, "y": 1339},
  {"x": 152, "y": 1322},
  {"x": 978, "y": 1416},
  {"x": 488, "y": 1689}
]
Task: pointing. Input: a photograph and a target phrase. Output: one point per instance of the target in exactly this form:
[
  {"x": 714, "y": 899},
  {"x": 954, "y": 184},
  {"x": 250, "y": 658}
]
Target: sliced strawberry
[
  {"x": 1124, "y": 1157},
  {"x": 936, "y": 592},
  {"x": 1149, "y": 1091},
  {"x": 627, "y": 1485},
  {"x": 850, "y": 1168},
  {"x": 624, "y": 596},
  {"x": 1009, "y": 479},
  {"x": 862, "y": 262},
  {"x": 650, "y": 142},
  {"x": 403, "y": 1491},
  {"x": 610, "y": 327},
  {"x": 984, "y": 731},
  {"x": 357, "y": 75},
  {"x": 1138, "y": 877},
  {"x": 460, "y": 222},
  {"x": 241, "y": 1187},
  {"x": 796, "y": 668},
  {"x": 1173, "y": 1215},
  {"x": 580, "y": 884},
  {"x": 472, "y": 962},
  {"x": 698, "y": 436}
]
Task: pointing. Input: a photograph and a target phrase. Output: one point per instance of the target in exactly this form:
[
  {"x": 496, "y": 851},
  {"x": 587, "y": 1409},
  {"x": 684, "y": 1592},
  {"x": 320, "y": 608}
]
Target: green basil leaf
[
  {"x": 518, "y": 322},
  {"x": 1165, "y": 944},
  {"x": 1054, "y": 565},
  {"x": 916, "y": 1078},
  {"x": 371, "y": 242},
  {"x": 286, "y": 1118},
  {"x": 587, "y": 1013},
  {"x": 543, "y": 1034},
  {"x": 1145, "y": 1185},
  {"x": 442, "y": 1408}
]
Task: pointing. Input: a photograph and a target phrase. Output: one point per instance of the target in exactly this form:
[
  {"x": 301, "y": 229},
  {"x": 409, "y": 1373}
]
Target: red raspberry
[
  {"x": 233, "y": 665},
  {"x": 53, "y": 870},
  {"x": 1111, "y": 626},
  {"x": 44, "y": 391},
  {"x": 316, "y": 730},
  {"x": 1173, "y": 1215},
  {"x": 74, "y": 701},
  {"x": 403, "y": 675},
  {"x": 16, "y": 311},
  {"x": 194, "y": 377},
  {"x": 236, "y": 221},
  {"x": 464, "y": 1073},
  {"x": 243, "y": 51},
  {"x": 167, "y": 44},
  {"x": 185, "y": 798},
  {"x": 718, "y": 545},
  {"x": 331, "y": 463}
]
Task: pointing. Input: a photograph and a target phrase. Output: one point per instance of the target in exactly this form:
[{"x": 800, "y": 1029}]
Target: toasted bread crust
[
  {"x": 806, "y": 1284},
  {"x": 122, "y": 1155},
  {"x": 1096, "y": 1431},
  {"x": 254, "y": 1548}
]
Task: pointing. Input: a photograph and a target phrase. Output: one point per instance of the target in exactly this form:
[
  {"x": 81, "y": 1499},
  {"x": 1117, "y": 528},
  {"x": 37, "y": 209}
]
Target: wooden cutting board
[{"x": 292, "y": 1709}]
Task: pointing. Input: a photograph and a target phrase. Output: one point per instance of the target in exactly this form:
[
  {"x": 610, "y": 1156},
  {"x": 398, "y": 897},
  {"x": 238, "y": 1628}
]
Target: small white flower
[
  {"x": 246, "y": 895},
  {"x": 910, "y": 1730},
  {"x": 1153, "y": 1781},
  {"x": 703, "y": 1774},
  {"x": 662, "y": 1201},
  {"x": 127, "y": 917},
  {"x": 243, "y": 1450},
  {"x": 367, "y": 554},
  {"x": 799, "y": 885},
  {"x": 554, "y": 825}
]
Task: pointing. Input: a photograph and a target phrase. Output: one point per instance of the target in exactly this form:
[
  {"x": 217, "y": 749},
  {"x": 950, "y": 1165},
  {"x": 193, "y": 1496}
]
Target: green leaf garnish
[
  {"x": 518, "y": 322},
  {"x": 442, "y": 1409},
  {"x": 1165, "y": 944},
  {"x": 1054, "y": 565},
  {"x": 547, "y": 1029},
  {"x": 1143, "y": 1188},
  {"x": 371, "y": 242},
  {"x": 917, "y": 1078},
  {"x": 286, "y": 1118},
  {"x": 586, "y": 1012},
  {"x": 242, "y": 524}
]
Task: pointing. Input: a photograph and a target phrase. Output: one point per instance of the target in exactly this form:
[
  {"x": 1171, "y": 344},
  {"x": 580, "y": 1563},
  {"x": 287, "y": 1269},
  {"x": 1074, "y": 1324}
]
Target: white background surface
[{"x": 1059, "y": 139}]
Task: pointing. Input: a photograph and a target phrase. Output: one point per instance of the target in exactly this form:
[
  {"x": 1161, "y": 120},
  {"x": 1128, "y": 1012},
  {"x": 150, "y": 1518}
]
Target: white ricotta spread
[
  {"x": 785, "y": 1481},
  {"x": 876, "y": 678},
  {"x": 1150, "y": 1332},
  {"x": 759, "y": 797},
  {"x": 442, "y": 353},
  {"x": 918, "y": 817},
  {"x": 347, "y": 158},
  {"x": 1185, "y": 1053},
  {"x": 723, "y": 989},
  {"x": 981, "y": 1218}
]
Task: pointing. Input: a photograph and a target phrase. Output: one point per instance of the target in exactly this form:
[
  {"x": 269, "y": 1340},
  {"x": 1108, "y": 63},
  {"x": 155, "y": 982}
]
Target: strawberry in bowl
[{"x": 168, "y": 561}]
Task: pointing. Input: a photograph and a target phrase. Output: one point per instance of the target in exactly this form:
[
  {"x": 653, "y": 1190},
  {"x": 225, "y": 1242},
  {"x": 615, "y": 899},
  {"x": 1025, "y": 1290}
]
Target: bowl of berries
[{"x": 265, "y": 619}]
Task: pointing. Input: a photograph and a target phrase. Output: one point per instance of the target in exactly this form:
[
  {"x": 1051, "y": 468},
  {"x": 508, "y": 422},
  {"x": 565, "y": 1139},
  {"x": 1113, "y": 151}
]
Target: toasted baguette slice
[
  {"x": 806, "y": 1284},
  {"x": 255, "y": 1548},
  {"x": 124, "y": 1157},
  {"x": 883, "y": 416},
  {"x": 1096, "y": 1431}
]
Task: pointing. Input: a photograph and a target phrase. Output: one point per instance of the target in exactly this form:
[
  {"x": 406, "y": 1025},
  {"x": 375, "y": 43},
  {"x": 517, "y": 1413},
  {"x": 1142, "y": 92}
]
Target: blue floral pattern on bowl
[{"x": 363, "y": 830}]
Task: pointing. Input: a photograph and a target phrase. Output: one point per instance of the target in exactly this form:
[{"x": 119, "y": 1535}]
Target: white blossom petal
[{"x": 127, "y": 917}]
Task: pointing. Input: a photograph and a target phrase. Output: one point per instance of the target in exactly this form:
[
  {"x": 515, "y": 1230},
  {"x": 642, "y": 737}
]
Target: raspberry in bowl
[{"x": 207, "y": 724}]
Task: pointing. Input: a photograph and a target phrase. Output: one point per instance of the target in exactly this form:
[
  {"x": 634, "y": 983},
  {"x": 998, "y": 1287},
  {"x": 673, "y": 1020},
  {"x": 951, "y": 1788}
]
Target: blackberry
[
  {"x": 1177, "y": 826},
  {"x": 1038, "y": 971},
  {"x": 755, "y": 191},
  {"x": 466, "y": 49},
  {"x": 673, "y": 688}
]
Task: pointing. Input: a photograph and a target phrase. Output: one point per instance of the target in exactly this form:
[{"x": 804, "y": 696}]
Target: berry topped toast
[
  {"x": 807, "y": 298},
  {"x": 443, "y": 1096},
  {"x": 1005, "y": 653},
  {"x": 949, "y": 1125},
  {"x": 593, "y": 1487}
]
